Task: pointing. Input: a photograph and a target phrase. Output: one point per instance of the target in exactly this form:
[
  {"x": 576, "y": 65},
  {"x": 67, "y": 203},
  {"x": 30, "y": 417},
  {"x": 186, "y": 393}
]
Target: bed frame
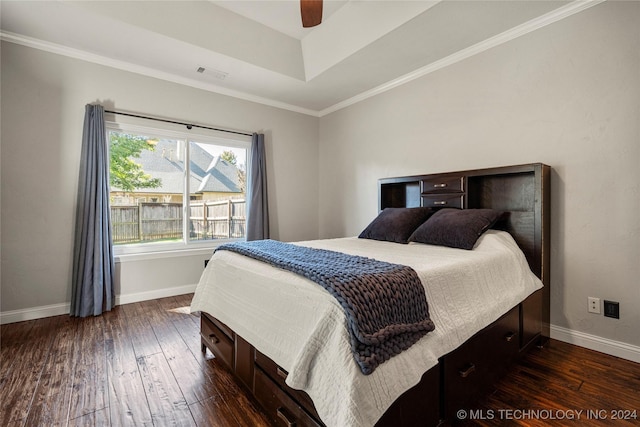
[{"x": 468, "y": 372}]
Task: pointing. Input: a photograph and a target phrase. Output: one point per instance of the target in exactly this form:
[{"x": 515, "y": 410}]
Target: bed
[{"x": 284, "y": 338}]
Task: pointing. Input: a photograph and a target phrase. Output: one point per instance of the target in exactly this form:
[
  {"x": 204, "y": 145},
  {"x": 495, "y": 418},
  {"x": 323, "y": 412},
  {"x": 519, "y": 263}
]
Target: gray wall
[
  {"x": 567, "y": 95},
  {"x": 43, "y": 99}
]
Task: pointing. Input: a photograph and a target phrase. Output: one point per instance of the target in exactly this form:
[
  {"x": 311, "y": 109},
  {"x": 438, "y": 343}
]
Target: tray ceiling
[{"x": 258, "y": 50}]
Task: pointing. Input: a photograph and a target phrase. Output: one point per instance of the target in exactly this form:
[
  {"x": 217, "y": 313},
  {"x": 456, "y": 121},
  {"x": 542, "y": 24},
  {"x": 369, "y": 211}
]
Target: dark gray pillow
[
  {"x": 456, "y": 228},
  {"x": 396, "y": 224}
]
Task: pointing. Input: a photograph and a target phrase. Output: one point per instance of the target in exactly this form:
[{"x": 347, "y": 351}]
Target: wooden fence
[
  {"x": 148, "y": 222},
  {"x": 223, "y": 219}
]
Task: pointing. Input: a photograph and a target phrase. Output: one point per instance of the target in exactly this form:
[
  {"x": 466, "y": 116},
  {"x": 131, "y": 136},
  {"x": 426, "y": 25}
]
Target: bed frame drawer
[
  {"x": 279, "y": 375},
  {"x": 443, "y": 192},
  {"x": 471, "y": 370},
  {"x": 443, "y": 184},
  {"x": 443, "y": 201},
  {"x": 216, "y": 340},
  {"x": 281, "y": 409}
]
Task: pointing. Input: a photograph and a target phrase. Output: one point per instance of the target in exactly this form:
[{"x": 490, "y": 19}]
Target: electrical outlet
[{"x": 594, "y": 305}]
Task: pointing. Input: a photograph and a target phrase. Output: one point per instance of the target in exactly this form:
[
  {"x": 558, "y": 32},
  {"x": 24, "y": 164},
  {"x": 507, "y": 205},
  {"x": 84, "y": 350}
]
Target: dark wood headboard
[{"x": 522, "y": 191}]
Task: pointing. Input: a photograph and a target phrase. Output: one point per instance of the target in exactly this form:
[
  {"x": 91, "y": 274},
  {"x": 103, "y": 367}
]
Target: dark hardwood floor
[
  {"x": 563, "y": 385},
  {"x": 141, "y": 364},
  {"x": 137, "y": 365}
]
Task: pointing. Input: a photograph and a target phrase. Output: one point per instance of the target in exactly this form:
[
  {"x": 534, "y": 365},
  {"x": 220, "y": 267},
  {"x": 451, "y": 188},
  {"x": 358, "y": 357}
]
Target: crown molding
[
  {"x": 146, "y": 71},
  {"x": 504, "y": 37}
]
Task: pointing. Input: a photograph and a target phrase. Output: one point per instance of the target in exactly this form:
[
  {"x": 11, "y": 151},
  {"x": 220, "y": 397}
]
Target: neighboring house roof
[{"x": 208, "y": 173}]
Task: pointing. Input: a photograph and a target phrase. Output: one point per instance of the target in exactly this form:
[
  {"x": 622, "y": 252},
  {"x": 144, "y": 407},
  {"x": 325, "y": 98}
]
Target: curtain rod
[{"x": 188, "y": 125}]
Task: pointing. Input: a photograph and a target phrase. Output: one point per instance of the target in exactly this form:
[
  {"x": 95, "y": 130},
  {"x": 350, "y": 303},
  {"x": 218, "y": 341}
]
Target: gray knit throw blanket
[{"x": 385, "y": 304}]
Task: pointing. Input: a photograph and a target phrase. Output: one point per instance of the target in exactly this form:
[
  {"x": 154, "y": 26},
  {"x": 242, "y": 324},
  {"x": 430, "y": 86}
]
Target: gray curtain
[
  {"x": 92, "y": 290},
  {"x": 258, "y": 215}
]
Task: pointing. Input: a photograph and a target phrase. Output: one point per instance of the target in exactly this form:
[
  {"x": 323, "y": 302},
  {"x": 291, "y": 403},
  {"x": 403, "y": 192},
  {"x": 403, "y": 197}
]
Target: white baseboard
[
  {"x": 593, "y": 342},
  {"x": 32, "y": 313},
  {"x": 159, "y": 293},
  {"x": 14, "y": 316}
]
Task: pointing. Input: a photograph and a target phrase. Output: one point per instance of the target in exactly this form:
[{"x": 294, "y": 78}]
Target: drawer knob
[
  {"x": 280, "y": 412},
  {"x": 443, "y": 185},
  {"x": 440, "y": 202},
  {"x": 510, "y": 336},
  {"x": 468, "y": 370},
  {"x": 214, "y": 338}
]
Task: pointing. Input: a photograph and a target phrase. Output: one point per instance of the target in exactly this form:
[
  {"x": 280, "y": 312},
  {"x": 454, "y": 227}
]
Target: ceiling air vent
[{"x": 216, "y": 74}]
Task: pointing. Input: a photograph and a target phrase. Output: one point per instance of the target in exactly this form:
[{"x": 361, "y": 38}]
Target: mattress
[{"x": 303, "y": 329}]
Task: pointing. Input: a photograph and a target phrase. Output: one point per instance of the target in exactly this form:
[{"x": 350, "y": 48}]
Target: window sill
[{"x": 143, "y": 256}]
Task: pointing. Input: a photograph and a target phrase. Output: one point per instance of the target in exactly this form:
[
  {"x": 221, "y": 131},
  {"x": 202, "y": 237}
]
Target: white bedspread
[{"x": 303, "y": 329}]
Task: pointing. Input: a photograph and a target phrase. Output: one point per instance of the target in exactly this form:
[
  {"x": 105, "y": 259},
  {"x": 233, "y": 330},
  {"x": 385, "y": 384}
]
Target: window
[{"x": 172, "y": 190}]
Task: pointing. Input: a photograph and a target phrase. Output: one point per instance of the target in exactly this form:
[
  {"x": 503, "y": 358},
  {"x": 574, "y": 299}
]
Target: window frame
[{"x": 197, "y": 135}]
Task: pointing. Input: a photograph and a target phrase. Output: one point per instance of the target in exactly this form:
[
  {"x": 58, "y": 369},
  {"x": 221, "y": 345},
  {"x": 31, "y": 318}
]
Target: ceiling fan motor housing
[{"x": 311, "y": 12}]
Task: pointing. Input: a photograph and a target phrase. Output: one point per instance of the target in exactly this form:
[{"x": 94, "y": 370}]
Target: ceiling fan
[{"x": 311, "y": 12}]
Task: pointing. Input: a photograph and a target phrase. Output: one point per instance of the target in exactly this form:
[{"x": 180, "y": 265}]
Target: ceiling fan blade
[{"x": 311, "y": 12}]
